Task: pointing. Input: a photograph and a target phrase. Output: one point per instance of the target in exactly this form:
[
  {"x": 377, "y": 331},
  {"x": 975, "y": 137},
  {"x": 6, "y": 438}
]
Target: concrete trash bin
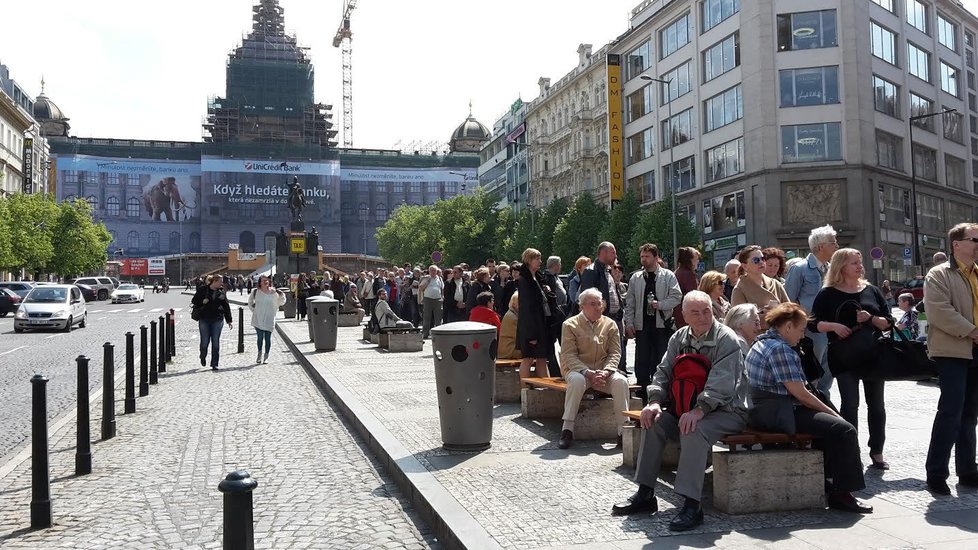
[
  {"x": 289, "y": 307},
  {"x": 324, "y": 317},
  {"x": 465, "y": 372},
  {"x": 309, "y": 316}
]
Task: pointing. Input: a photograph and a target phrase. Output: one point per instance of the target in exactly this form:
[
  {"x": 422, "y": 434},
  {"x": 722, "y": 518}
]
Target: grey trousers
[
  {"x": 431, "y": 315},
  {"x": 694, "y": 449}
]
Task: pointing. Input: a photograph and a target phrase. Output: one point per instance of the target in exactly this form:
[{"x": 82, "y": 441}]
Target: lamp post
[
  {"x": 465, "y": 178},
  {"x": 364, "y": 212},
  {"x": 913, "y": 185},
  {"x": 672, "y": 169}
]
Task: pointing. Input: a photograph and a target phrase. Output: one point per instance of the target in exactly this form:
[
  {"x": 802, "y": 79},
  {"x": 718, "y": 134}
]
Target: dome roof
[
  {"x": 45, "y": 109},
  {"x": 471, "y": 129}
]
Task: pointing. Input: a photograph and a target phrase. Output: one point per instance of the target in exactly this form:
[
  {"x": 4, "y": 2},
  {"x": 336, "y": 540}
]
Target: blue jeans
[
  {"x": 266, "y": 337},
  {"x": 210, "y": 333},
  {"x": 957, "y": 415}
]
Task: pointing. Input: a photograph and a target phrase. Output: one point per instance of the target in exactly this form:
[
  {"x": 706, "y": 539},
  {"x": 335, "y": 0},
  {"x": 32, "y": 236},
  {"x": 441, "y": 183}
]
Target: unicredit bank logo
[{"x": 271, "y": 167}]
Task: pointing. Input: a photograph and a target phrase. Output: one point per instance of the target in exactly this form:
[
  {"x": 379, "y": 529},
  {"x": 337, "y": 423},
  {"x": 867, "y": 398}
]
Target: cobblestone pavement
[
  {"x": 155, "y": 484},
  {"x": 526, "y": 493}
]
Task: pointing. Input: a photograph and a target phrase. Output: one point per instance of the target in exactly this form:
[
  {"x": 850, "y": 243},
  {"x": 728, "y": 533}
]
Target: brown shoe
[{"x": 566, "y": 438}]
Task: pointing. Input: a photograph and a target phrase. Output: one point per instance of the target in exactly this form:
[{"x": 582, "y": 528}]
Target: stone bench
[
  {"x": 596, "y": 417},
  {"x": 751, "y": 480},
  {"x": 507, "y": 389},
  {"x": 350, "y": 319},
  {"x": 400, "y": 339},
  {"x": 372, "y": 337}
]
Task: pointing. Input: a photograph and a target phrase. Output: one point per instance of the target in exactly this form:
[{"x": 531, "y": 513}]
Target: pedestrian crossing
[{"x": 136, "y": 310}]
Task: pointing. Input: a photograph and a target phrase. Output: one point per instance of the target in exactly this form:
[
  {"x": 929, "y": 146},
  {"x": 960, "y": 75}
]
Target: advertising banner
[
  {"x": 28, "y": 169},
  {"x": 156, "y": 266},
  {"x": 134, "y": 267},
  {"x": 616, "y": 159},
  {"x": 426, "y": 175}
]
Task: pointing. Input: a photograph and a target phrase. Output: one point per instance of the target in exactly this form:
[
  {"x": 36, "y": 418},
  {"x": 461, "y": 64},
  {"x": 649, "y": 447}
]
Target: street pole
[{"x": 672, "y": 168}]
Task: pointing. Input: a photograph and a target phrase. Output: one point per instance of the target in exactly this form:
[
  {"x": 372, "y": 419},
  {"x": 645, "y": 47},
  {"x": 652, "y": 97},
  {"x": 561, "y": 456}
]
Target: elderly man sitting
[
  {"x": 589, "y": 353},
  {"x": 698, "y": 395}
]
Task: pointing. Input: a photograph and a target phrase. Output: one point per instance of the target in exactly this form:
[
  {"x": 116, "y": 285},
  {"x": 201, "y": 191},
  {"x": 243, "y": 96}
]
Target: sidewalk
[
  {"x": 155, "y": 484},
  {"x": 525, "y": 493}
]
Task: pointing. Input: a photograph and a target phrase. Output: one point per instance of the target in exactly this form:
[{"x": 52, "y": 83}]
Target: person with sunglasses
[{"x": 753, "y": 286}]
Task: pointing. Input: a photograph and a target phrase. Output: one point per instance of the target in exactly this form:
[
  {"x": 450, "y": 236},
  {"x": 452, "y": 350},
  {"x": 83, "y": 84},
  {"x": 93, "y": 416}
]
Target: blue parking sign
[{"x": 907, "y": 252}]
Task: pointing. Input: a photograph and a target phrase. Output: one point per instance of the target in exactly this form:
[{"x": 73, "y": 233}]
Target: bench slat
[
  {"x": 558, "y": 384},
  {"x": 507, "y": 363},
  {"x": 748, "y": 437}
]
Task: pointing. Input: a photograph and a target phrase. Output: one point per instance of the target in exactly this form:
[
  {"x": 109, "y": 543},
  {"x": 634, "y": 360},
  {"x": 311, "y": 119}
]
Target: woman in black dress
[
  {"x": 845, "y": 304},
  {"x": 532, "y": 328}
]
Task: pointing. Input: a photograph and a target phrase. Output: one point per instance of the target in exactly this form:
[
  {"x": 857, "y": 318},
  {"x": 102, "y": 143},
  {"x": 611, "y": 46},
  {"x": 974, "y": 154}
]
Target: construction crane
[{"x": 344, "y": 41}]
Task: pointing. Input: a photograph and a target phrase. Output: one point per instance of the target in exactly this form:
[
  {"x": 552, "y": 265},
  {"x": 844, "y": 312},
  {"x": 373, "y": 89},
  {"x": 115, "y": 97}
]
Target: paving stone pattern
[
  {"x": 155, "y": 484},
  {"x": 528, "y": 494}
]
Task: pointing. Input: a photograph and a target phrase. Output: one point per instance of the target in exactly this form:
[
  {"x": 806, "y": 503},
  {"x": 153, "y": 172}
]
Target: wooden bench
[
  {"x": 400, "y": 339},
  {"x": 754, "y": 479},
  {"x": 543, "y": 398},
  {"x": 349, "y": 319}
]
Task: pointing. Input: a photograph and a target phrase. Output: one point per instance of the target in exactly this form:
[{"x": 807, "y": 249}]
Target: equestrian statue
[{"x": 297, "y": 200}]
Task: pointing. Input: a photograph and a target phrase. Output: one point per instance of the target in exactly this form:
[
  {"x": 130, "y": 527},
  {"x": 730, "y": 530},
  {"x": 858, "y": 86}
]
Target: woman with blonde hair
[
  {"x": 846, "y": 304},
  {"x": 712, "y": 284},
  {"x": 753, "y": 286},
  {"x": 507, "y": 331},
  {"x": 532, "y": 329}
]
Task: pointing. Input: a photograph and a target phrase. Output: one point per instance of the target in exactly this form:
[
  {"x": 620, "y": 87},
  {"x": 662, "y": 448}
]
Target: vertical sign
[
  {"x": 616, "y": 162},
  {"x": 28, "y": 166}
]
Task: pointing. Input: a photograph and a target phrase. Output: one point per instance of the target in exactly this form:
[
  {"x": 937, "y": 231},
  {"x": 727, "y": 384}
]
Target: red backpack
[{"x": 689, "y": 373}]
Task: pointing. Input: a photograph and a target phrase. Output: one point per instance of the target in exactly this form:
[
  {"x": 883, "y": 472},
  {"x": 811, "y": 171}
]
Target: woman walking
[
  {"x": 211, "y": 307},
  {"x": 264, "y": 302}
]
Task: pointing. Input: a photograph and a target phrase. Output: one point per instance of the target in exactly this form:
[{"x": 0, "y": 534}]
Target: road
[{"x": 53, "y": 354}]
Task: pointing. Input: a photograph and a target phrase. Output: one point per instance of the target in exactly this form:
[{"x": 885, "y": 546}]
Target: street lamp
[
  {"x": 913, "y": 184},
  {"x": 465, "y": 178},
  {"x": 672, "y": 169}
]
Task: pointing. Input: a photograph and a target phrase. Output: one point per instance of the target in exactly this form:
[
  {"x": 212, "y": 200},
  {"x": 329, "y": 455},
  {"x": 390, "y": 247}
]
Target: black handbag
[
  {"x": 899, "y": 358},
  {"x": 809, "y": 362},
  {"x": 856, "y": 351}
]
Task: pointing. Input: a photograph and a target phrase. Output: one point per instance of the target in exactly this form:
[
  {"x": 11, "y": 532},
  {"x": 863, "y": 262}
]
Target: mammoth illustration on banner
[{"x": 162, "y": 199}]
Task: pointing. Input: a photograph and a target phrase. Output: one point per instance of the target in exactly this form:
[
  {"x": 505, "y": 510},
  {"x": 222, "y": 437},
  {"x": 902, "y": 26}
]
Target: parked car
[
  {"x": 52, "y": 306},
  {"x": 88, "y": 293},
  {"x": 115, "y": 282},
  {"x": 9, "y": 301},
  {"x": 914, "y": 286},
  {"x": 21, "y": 288},
  {"x": 103, "y": 286},
  {"x": 127, "y": 294}
]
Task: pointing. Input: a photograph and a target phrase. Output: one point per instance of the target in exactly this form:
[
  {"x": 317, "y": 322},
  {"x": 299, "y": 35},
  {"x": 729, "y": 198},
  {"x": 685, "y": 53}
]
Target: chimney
[
  {"x": 583, "y": 54},
  {"x": 544, "y": 84}
]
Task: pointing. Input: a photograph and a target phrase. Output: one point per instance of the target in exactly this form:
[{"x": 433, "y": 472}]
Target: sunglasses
[
  {"x": 757, "y": 260},
  {"x": 972, "y": 239}
]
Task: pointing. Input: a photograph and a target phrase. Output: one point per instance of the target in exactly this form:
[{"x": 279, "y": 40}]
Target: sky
[{"x": 144, "y": 69}]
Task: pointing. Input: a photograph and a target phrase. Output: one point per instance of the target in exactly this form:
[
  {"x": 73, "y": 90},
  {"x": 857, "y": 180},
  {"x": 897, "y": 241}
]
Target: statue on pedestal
[
  {"x": 281, "y": 243},
  {"x": 312, "y": 242},
  {"x": 297, "y": 200}
]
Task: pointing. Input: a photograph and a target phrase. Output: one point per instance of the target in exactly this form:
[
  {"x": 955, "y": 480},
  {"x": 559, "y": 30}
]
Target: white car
[
  {"x": 51, "y": 306},
  {"x": 128, "y": 293}
]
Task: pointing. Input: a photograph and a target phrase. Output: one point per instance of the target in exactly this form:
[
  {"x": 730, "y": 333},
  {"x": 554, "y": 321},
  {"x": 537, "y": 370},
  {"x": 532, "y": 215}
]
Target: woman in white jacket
[{"x": 264, "y": 302}]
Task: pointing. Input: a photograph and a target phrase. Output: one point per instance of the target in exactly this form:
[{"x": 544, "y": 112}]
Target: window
[
  {"x": 815, "y": 86},
  {"x": 92, "y": 201},
  {"x": 132, "y": 180},
  {"x": 639, "y": 60},
  {"x": 132, "y": 241},
  {"x": 132, "y": 207},
  {"x": 921, "y": 106},
  {"x": 415, "y": 186},
  {"x": 725, "y": 160},
  {"x": 969, "y": 59},
  {"x": 884, "y": 43},
  {"x": 971, "y": 80},
  {"x": 969, "y": 39},
  {"x": 640, "y": 146},
  {"x": 947, "y": 33},
  {"x": 954, "y": 172},
  {"x": 724, "y": 108},
  {"x": 918, "y": 62},
  {"x": 681, "y": 128},
  {"x": 679, "y": 83},
  {"x": 930, "y": 213},
  {"x": 112, "y": 206},
  {"x": 715, "y": 11},
  {"x": 675, "y": 36},
  {"x": 643, "y": 186},
  {"x": 639, "y": 103},
  {"x": 917, "y": 15},
  {"x": 924, "y": 162},
  {"x": 886, "y": 96},
  {"x": 363, "y": 212},
  {"x": 721, "y": 57},
  {"x": 811, "y": 142},
  {"x": 807, "y": 30},
  {"x": 398, "y": 187},
  {"x": 381, "y": 212},
  {"x": 681, "y": 174},
  {"x": 953, "y": 126},
  {"x": 885, "y": 4},
  {"x": 949, "y": 79},
  {"x": 175, "y": 241},
  {"x": 888, "y": 151},
  {"x": 972, "y": 102}
]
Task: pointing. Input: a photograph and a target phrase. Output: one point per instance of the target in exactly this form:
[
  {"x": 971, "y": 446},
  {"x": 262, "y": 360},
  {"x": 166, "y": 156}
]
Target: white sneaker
[{"x": 265, "y": 361}]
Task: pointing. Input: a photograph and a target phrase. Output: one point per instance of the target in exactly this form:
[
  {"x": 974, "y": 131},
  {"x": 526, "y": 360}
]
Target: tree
[
  {"x": 6, "y": 252},
  {"x": 80, "y": 243},
  {"x": 32, "y": 218},
  {"x": 467, "y": 228},
  {"x": 409, "y": 235},
  {"x": 578, "y": 232},
  {"x": 621, "y": 227},
  {"x": 655, "y": 226},
  {"x": 520, "y": 233},
  {"x": 546, "y": 226}
]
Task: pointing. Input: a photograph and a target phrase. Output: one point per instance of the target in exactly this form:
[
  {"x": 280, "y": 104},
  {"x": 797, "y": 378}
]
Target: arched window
[
  {"x": 132, "y": 207},
  {"x": 132, "y": 242},
  {"x": 381, "y": 212},
  {"x": 246, "y": 242},
  {"x": 154, "y": 241},
  {"x": 174, "y": 242},
  {"x": 112, "y": 206},
  {"x": 194, "y": 242},
  {"x": 70, "y": 198},
  {"x": 270, "y": 238},
  {"x": 363, "y": 212},
  {"x": 93, "y": 202}
]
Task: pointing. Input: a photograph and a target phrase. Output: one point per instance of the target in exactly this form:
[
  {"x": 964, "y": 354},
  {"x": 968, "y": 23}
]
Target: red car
[
  {"x": 9, "y": 301},
  {"x": 914, "y": 286}
]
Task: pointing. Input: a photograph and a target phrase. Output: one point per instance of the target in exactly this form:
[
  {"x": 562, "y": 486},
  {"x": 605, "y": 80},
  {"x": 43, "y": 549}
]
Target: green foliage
[
  {"x": 467, "y": 228},
  {"x": 579, "y": 231},
  {"x": 409, "y": 235},
  {"x": 621, "y": 227},
  {"x": 31, "y": 221},
  {"x": 519, "y": 233},
  {"x": 655, "y": 226},
  {"x": 547, "y": 226},
  {"x": 80, "y": 244},
  {"x": 6, "y": 251}
]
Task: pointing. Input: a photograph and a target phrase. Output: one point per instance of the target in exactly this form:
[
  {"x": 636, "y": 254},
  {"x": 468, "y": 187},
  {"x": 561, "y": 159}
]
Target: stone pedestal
[
  {"x": 768, "y": 481},
  {"x": 596, "y": 418},
  {"x": 632, "y": 444},
  {"x": 349, "y": 319},
  {"x": 401, "y": 341},
  {"x": 508, "y": 385}
]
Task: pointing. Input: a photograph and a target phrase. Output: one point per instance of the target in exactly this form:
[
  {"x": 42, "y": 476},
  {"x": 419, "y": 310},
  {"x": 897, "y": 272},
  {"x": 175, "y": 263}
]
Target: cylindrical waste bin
[
  {"x": 309, "y": 315},
  {"x": 465, "y": 373},
  {"x": 289, "y": 307},
  {"x": 324, "y": 317}
]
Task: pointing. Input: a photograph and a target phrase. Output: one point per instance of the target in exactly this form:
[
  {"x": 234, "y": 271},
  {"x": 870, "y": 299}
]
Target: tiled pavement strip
[
  {"x": 155, "y": 484},
  {"x": 525, "y": 493}
]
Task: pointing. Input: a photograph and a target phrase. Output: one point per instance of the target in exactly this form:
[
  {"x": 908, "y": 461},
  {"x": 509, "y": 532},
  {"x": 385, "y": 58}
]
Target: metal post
[
  {"x": 154, "y": 377},
  {"x": 83, "y": 445},
  {"x": 108, "y": 391},
  {"x": 915, "y": 238},
  {"x": 143, "y": 363},
  {"x": 173, "y": 333},
  {"x": 130, "y": 375},
  {"x": 239, "y": 517},
  {"x": 40, "y": 476},
  {"x": 166, "y": 340},
  {"x": 162, "y": 357},
  {"x": 241, "y": 329}
]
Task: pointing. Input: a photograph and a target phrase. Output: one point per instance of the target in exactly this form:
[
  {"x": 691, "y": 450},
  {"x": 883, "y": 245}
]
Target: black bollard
[
  {"x": 108, "y": 391},
  {"x": 172, "y": 333},
  {"x": 240, "y": 330},
  {"x": 130, "y": 375},
  {"x": 166, "y": 337},
  {"x": 83, "y": 446},
  {"x": 154, "y": 377},
  {"x": 143, "y": 363},
  {"x": 162, "y": 357},
  {"x": 239, "y": 517},
  {"x": 40, "y": 476}
]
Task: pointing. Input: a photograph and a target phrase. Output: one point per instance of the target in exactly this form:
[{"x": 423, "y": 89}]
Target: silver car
[
  {"x": 103, "y": 286},
  {"x": 51, "y": 306}
]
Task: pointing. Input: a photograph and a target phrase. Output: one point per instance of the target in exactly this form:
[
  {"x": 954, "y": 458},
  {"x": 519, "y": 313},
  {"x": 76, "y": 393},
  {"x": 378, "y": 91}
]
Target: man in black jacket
[{"x": 598, "y": 275}]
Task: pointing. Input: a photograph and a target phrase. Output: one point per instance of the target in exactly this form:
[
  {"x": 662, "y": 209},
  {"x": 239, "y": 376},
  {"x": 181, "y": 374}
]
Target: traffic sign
[
  {"x": 907, "y": 253},
  {"x": 876, "y": 253},
  {"x": 436, "y": 256},
  {"x": 906, "y": 261},
  {"x": 298, "y": 245},
  {"x": 877, "y": 264}
]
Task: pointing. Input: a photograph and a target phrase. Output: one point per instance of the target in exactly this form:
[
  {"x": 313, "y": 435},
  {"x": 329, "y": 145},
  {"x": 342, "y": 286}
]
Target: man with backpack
[{"x": 697, "y": 396}]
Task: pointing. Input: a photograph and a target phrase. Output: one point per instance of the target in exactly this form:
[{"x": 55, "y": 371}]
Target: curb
[{"x": 446, "y": 517}]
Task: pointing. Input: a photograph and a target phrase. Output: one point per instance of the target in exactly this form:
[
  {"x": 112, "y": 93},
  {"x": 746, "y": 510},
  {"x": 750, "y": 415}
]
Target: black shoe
[
  {"x": 968, "y": 480},
  {"x": 566, "y": 438},
  {"x": 203, "y": 362},
  {"x": 690, "y": 517},
  {"x": 642, "y": 501},
  {"x": 619, "y": 444},
  {"x": 938, "y": 487},
  {"x": 880, "y": 464},
  {"x": 213, "y": 367},
  {"x": 848, "y": 503}
]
